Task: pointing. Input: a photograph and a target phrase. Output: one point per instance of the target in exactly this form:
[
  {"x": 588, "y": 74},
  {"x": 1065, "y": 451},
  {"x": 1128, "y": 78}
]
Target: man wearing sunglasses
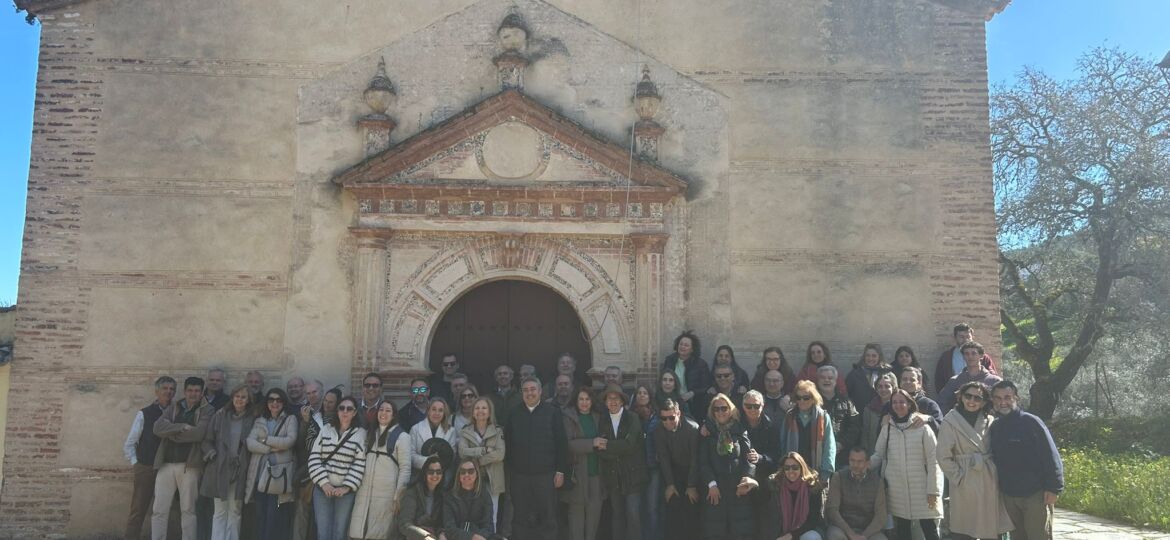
[
  {"x": 371, "y": 398},
  {"x": 415, "y": 410},
  {"x": 676, "y": 441},
  {"x": 765, "y": 437},
  {"x": 440, "y": 383}
]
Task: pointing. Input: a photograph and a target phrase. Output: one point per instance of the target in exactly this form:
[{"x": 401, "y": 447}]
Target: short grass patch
[{"x": 1130, "y": 487}]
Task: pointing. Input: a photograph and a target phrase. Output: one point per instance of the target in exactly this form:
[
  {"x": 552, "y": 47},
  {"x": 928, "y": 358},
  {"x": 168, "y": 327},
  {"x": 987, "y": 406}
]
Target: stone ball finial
[
  {"x": 646, "y": 97},
  {"x": 379, "y": 95},
  {"x": 513, "y": 32}
]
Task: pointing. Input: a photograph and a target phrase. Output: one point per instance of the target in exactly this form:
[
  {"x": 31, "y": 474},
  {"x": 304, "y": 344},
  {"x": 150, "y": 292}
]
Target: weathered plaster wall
[{"x": 179, "y": 214}]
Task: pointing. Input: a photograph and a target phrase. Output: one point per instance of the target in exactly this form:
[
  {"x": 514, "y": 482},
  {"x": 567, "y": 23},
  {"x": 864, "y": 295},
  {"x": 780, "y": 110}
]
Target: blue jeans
[
  {"x": 332, "y": 515},
  {"x": 652, "y": 505},
  {"x": 272, "y": 518}
]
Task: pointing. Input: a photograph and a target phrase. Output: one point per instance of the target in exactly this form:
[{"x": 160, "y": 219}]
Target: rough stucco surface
[{"x": 181, "y": 212}]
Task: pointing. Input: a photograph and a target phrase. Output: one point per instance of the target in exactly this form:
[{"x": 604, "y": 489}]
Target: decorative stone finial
[
  {"x": 510, "y": 64},
  {"x": 647, "y": 132},
  {"x": 379, "y": 97}
]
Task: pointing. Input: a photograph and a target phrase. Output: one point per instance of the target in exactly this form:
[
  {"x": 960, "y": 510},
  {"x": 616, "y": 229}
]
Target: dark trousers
[
  {"x": 534, "y": 501},
  {"x": 204, "y": 508},
  {"x": 680, "y": 517},
  {"x": 272, "y": 519},
  {"x": 902, "y": 528},
  {"x": 140, "y": 500}
]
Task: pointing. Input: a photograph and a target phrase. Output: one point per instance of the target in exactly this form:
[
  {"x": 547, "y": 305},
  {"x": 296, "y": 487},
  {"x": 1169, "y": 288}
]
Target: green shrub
[
  {"x": 1145, "y": 436},
  {"x": 1129, "y": 487}
]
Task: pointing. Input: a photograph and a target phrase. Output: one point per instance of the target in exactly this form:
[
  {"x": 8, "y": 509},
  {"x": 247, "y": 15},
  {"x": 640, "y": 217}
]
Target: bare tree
[{"x": 1082, "y": 165}]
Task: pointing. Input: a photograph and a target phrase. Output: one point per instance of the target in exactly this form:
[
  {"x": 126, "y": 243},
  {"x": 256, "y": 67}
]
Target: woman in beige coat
[
  {"x": 906, "y": 453},
  {"x": 482, "y": 441},
  {"x": 964, "y": 453},
  {"x": 385, "y": 478}
]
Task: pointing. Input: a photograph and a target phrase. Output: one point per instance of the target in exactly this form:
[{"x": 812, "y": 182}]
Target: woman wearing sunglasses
[
  {"x": 964, "y": 453},
  {"x": 270, "y": 470},
  {"x": 420, "y": 516},
  {"x": 464, "y": 415},
  {"x": 482, "y": 441},
  {"x": 467, "y": 509},
  {"x": 726, "y": 473},
  {"x": 808, "y": 430},
  {"x": 337, "y": 463},
  {"x": 795, "y": 491}
]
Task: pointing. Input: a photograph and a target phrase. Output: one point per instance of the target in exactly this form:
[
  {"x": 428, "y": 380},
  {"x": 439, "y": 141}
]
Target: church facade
[{"x": 331, "y": 190}]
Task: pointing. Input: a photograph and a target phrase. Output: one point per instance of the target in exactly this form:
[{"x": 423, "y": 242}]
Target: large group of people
[{"x": 706, "y": 450}]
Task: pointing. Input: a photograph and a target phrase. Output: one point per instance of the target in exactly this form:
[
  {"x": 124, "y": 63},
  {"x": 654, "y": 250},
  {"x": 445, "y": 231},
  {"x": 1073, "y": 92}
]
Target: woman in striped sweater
[{"x": 336, "y": 465}]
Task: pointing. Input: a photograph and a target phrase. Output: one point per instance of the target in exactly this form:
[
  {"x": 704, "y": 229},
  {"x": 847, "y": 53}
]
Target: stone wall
[{"x": 180, "y": 214}]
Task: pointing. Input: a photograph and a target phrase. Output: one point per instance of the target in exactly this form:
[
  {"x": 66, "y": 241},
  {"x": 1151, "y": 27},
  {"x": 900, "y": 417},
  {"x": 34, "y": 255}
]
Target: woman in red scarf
[{"x": 796, "y": 498}]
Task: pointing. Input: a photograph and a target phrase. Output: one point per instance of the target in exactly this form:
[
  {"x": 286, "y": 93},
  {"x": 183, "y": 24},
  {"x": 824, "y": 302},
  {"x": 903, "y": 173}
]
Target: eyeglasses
[
  {"x": 274, "y": 399},
  {"x": 804, "y": 398},
  {"x": 973, "y": 397},
  {"x": 434, "y": 472},
  {"x": 791, "y": 467},
  {"x": 346, "y": 408},
  {"x": 468, "y": 396},
  {"x": 466, "y": 472},
  {"x": 667, "y": 418},
  {"x": 752, "y": 406},
  {"x": 372, "y": 385},
  {"x": 723, "y": 376},
  {"x": 720, "y": 408},
  {"x": 419, "y": 390}
]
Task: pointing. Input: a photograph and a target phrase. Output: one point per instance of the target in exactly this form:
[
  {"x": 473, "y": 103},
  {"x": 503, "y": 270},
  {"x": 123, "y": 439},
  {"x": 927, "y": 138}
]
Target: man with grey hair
[
  {"x": 214, "y": 393},
  {"x": 527, "y": 371},
  {"x": 255, "y": 381},
  {"x": 562, "y": 392},
  {"x": 846, "y": 419},
  {"x": 776, "y": 402},
  {"x": 140, "y": 448}
]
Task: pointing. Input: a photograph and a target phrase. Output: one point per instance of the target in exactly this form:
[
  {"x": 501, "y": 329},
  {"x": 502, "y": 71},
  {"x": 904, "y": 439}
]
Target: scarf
[
  {"x": 970, "y": 417},
  {"x": 817, "y": 430},
  {"x": 725, "y": 442},
  {"x": 793, "y": 505}
]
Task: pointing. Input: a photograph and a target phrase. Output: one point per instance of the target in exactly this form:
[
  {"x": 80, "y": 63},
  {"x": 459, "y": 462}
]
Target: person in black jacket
[
  {"x": 676, "y": 442},
  {"x": 536, "y": 462},
  {"x": 467, "y": 508},
  {"x": 796, "y": 493},
  {"x": 765, "y": 437},
  {"x": 695, "y": 377},
  {"x": 727, "y": 473},
  {"x": 1031, "y": 473},
  {"x": 420, "y": 514}
]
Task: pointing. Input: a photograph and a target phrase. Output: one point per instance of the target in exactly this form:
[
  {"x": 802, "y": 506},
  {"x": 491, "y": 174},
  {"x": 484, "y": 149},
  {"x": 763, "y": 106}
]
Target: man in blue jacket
[{"x": 1031, "y": 474}]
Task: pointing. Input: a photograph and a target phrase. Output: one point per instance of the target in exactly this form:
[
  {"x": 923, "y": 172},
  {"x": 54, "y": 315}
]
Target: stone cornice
[
  {"x": 505, "y": 106},
  {"x": 984, "y": 8},
  {"x": 35, "y": 7}
]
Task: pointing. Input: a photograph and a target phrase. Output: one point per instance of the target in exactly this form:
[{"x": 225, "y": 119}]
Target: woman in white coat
[
  {"x": 482, "y": 441},
  {"x": 906, "y": 452},
  {"x": 437, "y": 424},
  {"x": 385, "y": 478},
  {"x": 964, "y": 453}
]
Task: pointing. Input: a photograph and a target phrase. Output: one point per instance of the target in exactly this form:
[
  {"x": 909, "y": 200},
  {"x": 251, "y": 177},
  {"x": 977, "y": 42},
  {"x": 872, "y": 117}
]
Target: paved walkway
[{"x": 1071, "y": 525}]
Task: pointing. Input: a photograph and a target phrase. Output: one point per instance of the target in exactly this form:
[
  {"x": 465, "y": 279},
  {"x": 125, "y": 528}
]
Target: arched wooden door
[{"x": 509, "y": 322}]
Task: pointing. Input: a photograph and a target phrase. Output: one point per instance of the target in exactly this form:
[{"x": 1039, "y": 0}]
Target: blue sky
[{"x": 1047, "y": 34}]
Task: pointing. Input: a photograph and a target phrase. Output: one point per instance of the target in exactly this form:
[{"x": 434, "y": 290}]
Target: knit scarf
[
  {"x": 817, "y": 430},
  {"x": 793, "y": 504},
  {"x": 725, "y": 441}
]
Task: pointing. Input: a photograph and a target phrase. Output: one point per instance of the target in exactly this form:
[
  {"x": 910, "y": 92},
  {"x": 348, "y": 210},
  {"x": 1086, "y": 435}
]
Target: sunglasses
[
  {"x": 973, "y": 397},
  {"x": 667, "y": 418},
  {"x": 723, "y": 376},
  {"x": 804, "y": 398},
  {"x": 372, "y": 385},
  {"x": 346, "y": 408},
  {"x": 752, "y": 406},
  {"x": 434, "y": 472},
  {"x": 466, "y": 472},
  {"x": 449, "y": 364},
  {"x": 467, "y": 396},
  {"x": 274, "y": 399},
  {"x": 791, "y": 467},
  {"x": 419, "y": 390},
  {"x": 721, "y": 408}
]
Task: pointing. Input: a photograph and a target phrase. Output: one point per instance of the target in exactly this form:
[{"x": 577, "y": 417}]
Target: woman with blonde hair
[
  {"x": 225, "y": 478},
  {"x": 727, "y": 473},
  {"x": 467, "y": 508},
  {"x": 808, "y": 429},
  {"x": 795, "y": 492},
  {"x": 437, "y": 424},
  {"x": 482, "y": 442}
]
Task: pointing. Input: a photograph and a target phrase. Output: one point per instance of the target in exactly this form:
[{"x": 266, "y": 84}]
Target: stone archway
[{"x": 510, "y": 322}]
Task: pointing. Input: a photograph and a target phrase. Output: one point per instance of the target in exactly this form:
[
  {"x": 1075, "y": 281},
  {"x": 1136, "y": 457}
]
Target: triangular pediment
[{"x": 509, "y": 139}]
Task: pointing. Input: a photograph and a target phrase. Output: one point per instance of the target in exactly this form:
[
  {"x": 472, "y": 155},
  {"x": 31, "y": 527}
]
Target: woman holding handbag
[
  {"x": 272, "y": 467},
  {"x": 226, "y": 475},
  {"x": 337, "y": 463}
]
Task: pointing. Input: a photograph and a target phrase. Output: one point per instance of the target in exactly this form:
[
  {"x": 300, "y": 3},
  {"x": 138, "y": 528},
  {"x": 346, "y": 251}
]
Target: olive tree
[{"x": 1082, "y": 170}]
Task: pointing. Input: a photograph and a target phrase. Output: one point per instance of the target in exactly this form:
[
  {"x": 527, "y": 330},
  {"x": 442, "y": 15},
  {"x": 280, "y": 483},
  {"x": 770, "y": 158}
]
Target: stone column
[
  {"x": 648, "y": 280},
  {"x": 369, "y": 286}
]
